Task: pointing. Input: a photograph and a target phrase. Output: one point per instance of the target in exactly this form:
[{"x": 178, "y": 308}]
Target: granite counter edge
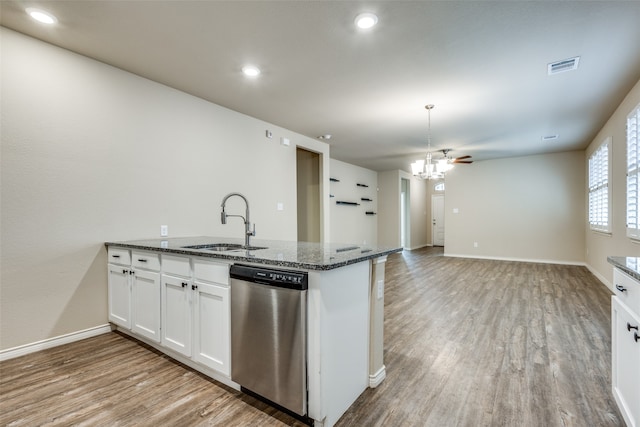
[{"x": 278, "y": 263}]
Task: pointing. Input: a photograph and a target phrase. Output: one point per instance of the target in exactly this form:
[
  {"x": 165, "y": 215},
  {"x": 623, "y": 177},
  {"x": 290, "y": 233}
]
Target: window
[
  {"x": 633, "y": 174},
  {"x": 599, "y": 199},
  {"x": 439, "y": 186}
]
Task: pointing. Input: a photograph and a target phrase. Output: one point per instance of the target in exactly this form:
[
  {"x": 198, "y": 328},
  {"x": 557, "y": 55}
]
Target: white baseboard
[
  {"x": 600, "y": 277},
  {"x": 11, "y": 353},
  {"x": 414, "y": 248},
  {"x": 538, "y": 261},
  {"x": 376, "y": 379}
]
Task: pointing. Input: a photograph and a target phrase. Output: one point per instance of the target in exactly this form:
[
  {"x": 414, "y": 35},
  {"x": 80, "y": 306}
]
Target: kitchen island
[{"x": 174, "y": 294}]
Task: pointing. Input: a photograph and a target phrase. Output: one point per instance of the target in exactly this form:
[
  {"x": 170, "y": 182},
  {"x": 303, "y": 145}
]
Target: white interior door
[{"x": 437, "y": 216}]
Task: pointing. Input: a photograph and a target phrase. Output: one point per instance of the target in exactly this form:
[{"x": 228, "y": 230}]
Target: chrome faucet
[{"x": 247, "y": 225}]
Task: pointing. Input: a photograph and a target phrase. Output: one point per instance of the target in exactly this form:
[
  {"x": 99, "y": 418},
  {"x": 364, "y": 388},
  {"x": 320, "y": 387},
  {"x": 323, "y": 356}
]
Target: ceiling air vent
[{"x": 562, "y": 66}]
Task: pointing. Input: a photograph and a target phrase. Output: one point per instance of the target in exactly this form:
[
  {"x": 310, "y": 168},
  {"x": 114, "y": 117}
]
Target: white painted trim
[
  {"x": 418, "y": 247},
  {"x": 600, "y": 277},
  {"x": 376, "y": 379},
  {"x": 22, "y": 350},
  {"x": 539, "y": 261}
]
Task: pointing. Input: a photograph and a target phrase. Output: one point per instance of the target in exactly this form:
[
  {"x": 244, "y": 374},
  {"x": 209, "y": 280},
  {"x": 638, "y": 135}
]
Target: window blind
[
  {"x": 599, "y": 188},
  {"x": 633, "y": 174}
]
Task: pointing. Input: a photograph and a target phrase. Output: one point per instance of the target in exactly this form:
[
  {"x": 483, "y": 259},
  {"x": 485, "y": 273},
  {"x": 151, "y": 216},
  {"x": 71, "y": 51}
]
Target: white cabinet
[
  {"x": 176, "y": 304},
  {"x": 212, "y": 315},
  {"x": 625, "y": 347},
  {"x": 195, "y": 310},
  {"x": 145, "y": 304},
  {"x": 119, "y": 295},
  {"x": 134, "y": 291},
  {"x": 180, "y": 302}
]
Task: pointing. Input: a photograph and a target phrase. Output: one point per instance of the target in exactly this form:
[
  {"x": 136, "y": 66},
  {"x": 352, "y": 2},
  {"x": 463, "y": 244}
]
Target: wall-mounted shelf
[
  {"x": 362, "y": 185},
  {"x": 334, "y": 180},
  {"x": 340, "y": 202},
  {"x": 366, "y": 199},
  {"x": 370, "y": 213}
]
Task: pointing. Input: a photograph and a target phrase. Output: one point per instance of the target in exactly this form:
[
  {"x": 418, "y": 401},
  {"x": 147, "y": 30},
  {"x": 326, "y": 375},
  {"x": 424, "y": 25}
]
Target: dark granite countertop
[
  {"x": 628, "y": 264},
  {"x": 301, "y": 255}
]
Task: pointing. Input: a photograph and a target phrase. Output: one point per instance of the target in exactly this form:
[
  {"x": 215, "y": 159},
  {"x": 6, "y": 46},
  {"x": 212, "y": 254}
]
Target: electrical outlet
[
  {"x": 380, "y": 289},
  {"x": 475, "y": 244},
  {"x": 164, "y": 230}
]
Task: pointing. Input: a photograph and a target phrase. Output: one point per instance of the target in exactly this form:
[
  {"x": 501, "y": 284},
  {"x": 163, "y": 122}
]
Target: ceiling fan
[{"x": 455, "y": 160}]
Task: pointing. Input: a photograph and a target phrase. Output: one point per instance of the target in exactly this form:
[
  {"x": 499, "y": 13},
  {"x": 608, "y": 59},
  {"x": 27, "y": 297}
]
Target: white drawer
[
  {"x": 631, "y": 293},
  {"x": 119, "y": 256},
  {"x": 211, "y": 271},
  {"x": 176, "y": 265},
  {"x": 145, "y": 260}
]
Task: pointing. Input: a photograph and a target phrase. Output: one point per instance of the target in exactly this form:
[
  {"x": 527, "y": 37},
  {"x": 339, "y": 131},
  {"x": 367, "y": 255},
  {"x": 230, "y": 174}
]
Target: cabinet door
[
  {"x": 212, "y": 329},
  {"x": 625, "y": 362},
  {"x": 145, "y": 304},
  {"x": 119, "y": 296},
  {"x": 176, "y": 314}
]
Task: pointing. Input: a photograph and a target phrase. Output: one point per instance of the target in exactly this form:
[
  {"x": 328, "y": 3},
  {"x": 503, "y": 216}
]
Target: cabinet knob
[
  {"x": 621, "y": 288},
  {"x": 194, "y": 287},
  {"x": 131, "y": 272},
  {"x": 629, "y": 327},
  {"x": 636, "y": 337},
  {"x": 124, "y": 271},
  {"x": 184, "y": 284}
]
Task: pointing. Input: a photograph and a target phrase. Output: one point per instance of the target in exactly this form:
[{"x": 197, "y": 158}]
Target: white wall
[
  {"x": 598, "y": 245},
  {"x": 350, "y": 224},
  {"x": 525, "y": 208},
  {"x": 389, "y": 226},
  {"x": 92, "y": 154}
]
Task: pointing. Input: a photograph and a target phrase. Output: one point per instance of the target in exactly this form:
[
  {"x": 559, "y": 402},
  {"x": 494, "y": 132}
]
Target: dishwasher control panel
[{"x": 268, "y": 276}]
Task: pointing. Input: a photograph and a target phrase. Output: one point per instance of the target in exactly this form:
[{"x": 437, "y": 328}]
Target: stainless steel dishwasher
[{"x": 269, "y": 334}]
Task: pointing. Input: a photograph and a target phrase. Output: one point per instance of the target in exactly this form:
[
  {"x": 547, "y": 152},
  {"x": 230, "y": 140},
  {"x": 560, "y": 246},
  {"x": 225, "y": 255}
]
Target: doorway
[
  {"x": 405, "y": 223},
  {"x": 308, "y": 195},
  {"x": 437, "y": 219}
]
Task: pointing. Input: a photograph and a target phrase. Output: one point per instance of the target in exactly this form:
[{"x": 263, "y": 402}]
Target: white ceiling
[{"x": 482, "y": 63}]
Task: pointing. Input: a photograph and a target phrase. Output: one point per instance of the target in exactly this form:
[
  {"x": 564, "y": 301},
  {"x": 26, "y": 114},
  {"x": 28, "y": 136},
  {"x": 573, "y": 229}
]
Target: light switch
[
  {"x": 285, "y": 141},
  {"x": 164, "y": 230},
  {"x": 280, "y": 206}
]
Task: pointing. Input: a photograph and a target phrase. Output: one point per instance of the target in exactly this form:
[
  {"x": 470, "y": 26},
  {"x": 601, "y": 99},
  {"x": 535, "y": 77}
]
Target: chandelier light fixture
[{"x": 428, "y": 168}]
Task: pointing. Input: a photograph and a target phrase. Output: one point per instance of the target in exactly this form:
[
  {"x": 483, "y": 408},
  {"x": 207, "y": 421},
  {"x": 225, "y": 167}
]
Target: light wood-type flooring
[{"x": 467, "y": 343}]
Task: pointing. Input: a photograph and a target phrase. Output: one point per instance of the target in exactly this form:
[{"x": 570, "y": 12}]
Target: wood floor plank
[{"x": 467, "y": 343}]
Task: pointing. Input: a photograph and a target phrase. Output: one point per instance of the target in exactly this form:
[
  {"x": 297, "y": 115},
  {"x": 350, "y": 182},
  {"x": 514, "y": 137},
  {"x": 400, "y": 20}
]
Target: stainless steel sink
[{"x": 224, "y": 247}]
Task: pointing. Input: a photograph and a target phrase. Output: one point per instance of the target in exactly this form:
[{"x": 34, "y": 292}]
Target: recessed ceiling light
[
  {"x": 41, "y": 16},
  {"x": 325, "y": 136},
  {"x": 550, "y": 137},
  {"x": 366, "y": 20},
  {"x": 250, "y": 71}
]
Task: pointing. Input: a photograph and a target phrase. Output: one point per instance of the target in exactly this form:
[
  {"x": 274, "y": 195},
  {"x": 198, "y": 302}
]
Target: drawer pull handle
[
  {"x": 621, "y": 288},
  {"x": 636, "y": 337},
  {"x": 142, "y": 260},
  {"x": 115, "y": 256},
  {"x": 629, "y": 327}
]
